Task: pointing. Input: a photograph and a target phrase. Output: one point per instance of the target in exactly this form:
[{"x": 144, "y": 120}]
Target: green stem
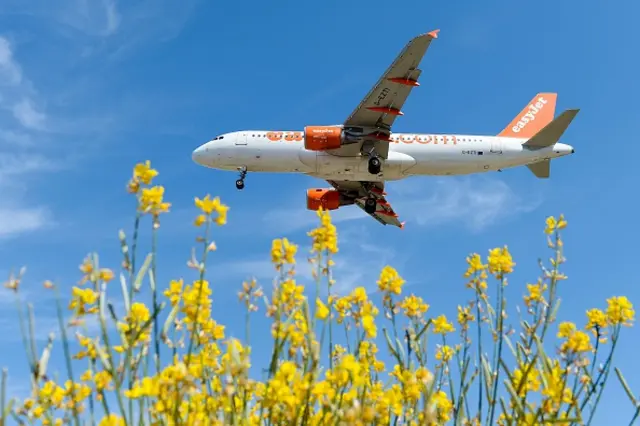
[
  {"x": 30, "y": 361},
  {"x": 194, "y": 331},
  {"x": 156, "y": 337},
  {"x": 552, "y": 286},
  {"x": 134, "y": 245},
  {"x": 67, "y": 354},
  {"x": 496, "y": 368},
  {"x": 607, "y": 369},
  {"x": 480, "y": 369}
]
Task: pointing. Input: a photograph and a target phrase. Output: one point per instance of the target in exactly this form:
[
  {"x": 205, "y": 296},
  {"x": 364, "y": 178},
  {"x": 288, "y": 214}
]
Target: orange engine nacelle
[
  {"x": 328, "y": 199},
  {"x": 322, "y": 138}
]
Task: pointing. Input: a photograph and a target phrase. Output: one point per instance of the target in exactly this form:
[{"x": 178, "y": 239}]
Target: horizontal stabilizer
[
  {"x": 541, "y": 169},
  {"x": 552, "y": 132}
]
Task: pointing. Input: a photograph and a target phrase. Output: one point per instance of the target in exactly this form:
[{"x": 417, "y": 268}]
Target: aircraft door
[
  {"x": 241, "y": 138},
  {"x": 496, "y": 146}
]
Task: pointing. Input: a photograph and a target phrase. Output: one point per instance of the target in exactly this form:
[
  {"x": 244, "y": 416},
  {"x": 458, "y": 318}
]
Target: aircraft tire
[
  {"x": 240, "y": 184},
  {"x": 374, "y": 165},
  {"x": 370, "y": 205}
]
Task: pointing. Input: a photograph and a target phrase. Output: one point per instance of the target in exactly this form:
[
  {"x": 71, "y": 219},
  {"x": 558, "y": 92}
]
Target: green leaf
[
  {"x": 170, "y": 319},
  {"x": 103, "y": 355},
  {"x": 137, "y": 283},
  {"x": 46, "y": 354},
  {"x": 515, "y": 399},
  {"x": 626, "y": 387},
  {"x": 125, "y": 293}
]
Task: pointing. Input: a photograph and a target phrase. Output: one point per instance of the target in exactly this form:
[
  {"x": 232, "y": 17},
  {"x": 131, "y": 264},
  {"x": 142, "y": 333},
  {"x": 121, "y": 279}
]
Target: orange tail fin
[{"x": 537, "y": 114}]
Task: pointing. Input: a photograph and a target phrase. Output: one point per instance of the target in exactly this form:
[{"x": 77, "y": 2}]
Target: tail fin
[{"x": 537, "y": 114}]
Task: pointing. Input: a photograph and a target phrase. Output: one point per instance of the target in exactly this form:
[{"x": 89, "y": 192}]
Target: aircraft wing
[
  {"x": 385, "y": 100},
  {"x": 355, "y": 192}
]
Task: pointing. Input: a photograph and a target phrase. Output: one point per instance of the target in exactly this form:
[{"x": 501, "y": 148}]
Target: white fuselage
[{"x": 410, "y": 154}]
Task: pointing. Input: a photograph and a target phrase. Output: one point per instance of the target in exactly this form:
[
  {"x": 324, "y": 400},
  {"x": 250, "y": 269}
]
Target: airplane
[{"x": 360, "y": 155}]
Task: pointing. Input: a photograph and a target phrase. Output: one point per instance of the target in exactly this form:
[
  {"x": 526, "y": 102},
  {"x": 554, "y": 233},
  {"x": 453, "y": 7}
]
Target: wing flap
[
  {"x": 384, "y": 212},
  {"x": 385, "y": 100}
]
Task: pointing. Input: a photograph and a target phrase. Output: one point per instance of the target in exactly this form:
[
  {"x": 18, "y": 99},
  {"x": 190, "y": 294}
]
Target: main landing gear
[
  {"x": 243, "y": 175},
  {"x": 374, "y": 164},
  {"x": 370, "y": 205}
]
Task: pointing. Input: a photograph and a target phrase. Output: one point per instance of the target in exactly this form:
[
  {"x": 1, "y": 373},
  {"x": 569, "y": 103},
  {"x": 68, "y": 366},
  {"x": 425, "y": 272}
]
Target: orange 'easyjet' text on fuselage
[{"x": 404, "y": 138}]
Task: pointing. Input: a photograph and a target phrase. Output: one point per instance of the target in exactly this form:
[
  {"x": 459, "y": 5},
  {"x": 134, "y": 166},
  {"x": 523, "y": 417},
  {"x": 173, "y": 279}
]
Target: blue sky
[{"x": 87, "y": 89}]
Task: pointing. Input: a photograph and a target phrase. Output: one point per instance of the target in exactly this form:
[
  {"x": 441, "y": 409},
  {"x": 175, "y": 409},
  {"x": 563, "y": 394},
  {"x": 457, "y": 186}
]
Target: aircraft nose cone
[{"x": 198, "y": 154}]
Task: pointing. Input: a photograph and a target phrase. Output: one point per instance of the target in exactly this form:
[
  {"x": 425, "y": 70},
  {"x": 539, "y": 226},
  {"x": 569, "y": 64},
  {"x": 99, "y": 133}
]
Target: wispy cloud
[
  {"x": 107, "y": 26},
  {"x": 37, "y": 119},
  {"x": 96, "y": 18},
  {"x": 359, "y": 262},
  {"x": 17, "y": 95},
  {"x": 475, "y": 202},
  {"x": 21, "y": 116}
]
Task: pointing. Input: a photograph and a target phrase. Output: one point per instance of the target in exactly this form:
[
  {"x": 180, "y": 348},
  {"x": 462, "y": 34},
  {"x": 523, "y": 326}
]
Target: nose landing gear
[{"x": 243, "y": 175}]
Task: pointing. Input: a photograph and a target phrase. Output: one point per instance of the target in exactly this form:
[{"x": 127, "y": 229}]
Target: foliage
[{"x": 483, "y": 372}]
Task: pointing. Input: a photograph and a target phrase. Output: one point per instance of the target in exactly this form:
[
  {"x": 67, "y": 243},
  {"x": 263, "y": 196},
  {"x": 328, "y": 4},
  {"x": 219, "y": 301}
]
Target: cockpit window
[{"x": 218, "y": 137}]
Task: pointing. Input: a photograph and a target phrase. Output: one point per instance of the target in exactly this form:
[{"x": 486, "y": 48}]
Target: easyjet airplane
[{"x": 358, "y": 156}]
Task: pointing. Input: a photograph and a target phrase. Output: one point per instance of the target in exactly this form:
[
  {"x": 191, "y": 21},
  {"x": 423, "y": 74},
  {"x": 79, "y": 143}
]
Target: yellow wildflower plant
[{"x": 361, "y": 357}]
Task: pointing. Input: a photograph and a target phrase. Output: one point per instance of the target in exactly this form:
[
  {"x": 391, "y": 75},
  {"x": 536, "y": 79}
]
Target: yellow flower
[
  {"x": 144, "y": 172},
  {"x": 89, "y": 350},
  {"x": 566, "y": 329},
  {"x": 324, "y": 237},
  {"x": 475, "y": 265},
  {"x": 83, "y": 301},
  {"x": 208, "y": 206},
  {"x": 445, "y": 353},
  {"x": 442, "y": 326},
  {"x": 282, "y": 251},
  {"x": 152, "y": 201},
  {"x": 443, "y": 405},
  {"x": 174, "y": 292},
  {"x": 106, "y": 275},
  {"x": 390, "y": 281},
  {"x": 522, "y": 385},
  {"x": 414, "y": 306},
  {"x": 111, "y": 420},
  {"x": 322, "y": 312},
  {"x": 200, "y": 220},
  {"x": 535, "y": 293},
  {"x": 553, "y": 224},
  {"x": 596, "y": 319},
  {"x": 465, "y": 316},
  {"x": 500, "y": 262},
  {"x": 369, "y": 326},
  {"x": 620, "y": 311},
  {"x": 577, "y": 342}
]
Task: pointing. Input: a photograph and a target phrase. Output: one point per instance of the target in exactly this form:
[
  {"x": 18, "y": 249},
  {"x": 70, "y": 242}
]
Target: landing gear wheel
[
  {"x": 370, "y": 205},
  {"x": 374, "y": 165},
  {"x": 243, "y": 174}
]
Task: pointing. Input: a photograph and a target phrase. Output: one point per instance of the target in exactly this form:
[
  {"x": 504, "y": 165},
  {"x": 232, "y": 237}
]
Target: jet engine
[
  {"x": 328, "y": 199},
  {"x": 322, "y": 138}
]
